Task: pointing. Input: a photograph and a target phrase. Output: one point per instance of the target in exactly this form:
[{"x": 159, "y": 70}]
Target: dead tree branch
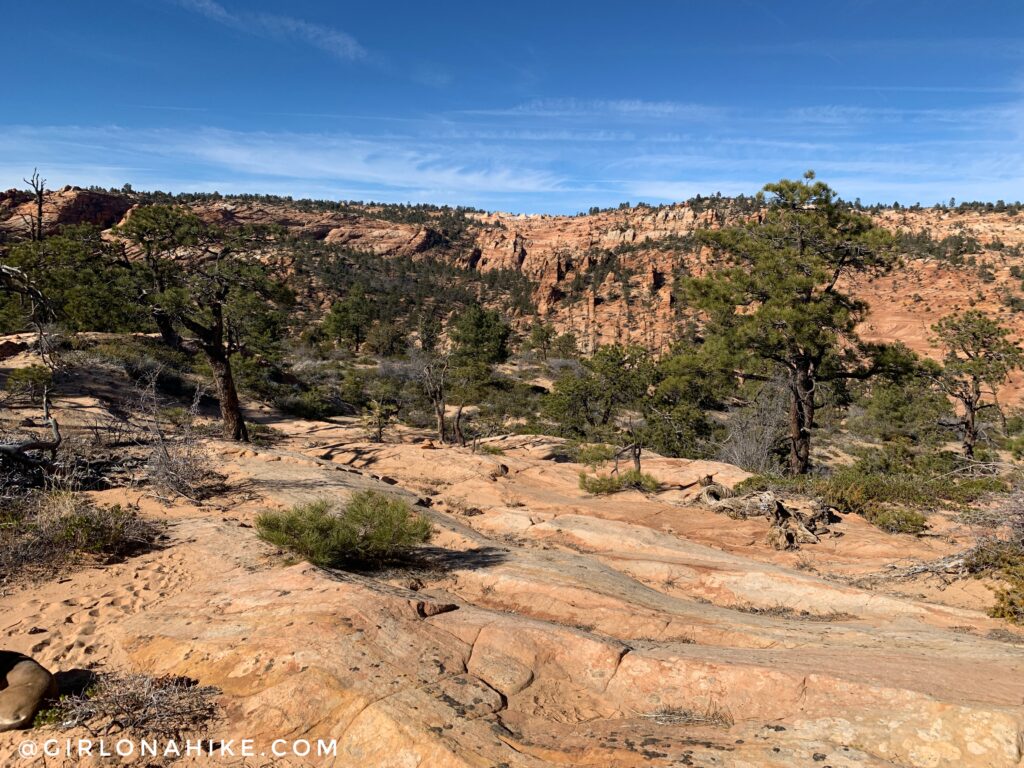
[{"x": 19, "y": 451}]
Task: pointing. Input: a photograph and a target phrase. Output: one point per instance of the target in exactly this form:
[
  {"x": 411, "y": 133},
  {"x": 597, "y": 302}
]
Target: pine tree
[{"x": 777, "y": 303}]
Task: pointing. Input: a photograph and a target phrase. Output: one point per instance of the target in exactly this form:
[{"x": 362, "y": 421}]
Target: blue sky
[{"x": 526, "y": 106}]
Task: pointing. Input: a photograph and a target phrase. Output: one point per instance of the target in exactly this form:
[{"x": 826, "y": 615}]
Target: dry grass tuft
[
  {"x": 786, "y": 612},
  {"x": 138, "y": 705},
  {"x": 47, "y": 532},
  {"x": 712, "y": 714}
]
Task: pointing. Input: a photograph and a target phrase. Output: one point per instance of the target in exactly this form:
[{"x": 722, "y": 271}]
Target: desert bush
[
  {"x": 865, "y": 493},
  {"x": 46, "y": 532},
  {"x": 371, "y": 529},
  {"x": 144, "y": 359},
  {"x": 633, "y": 478},
  {"x": 880, "y": 499},
  {"x": 1009, "y": 603},
  {"x": 318, "y": 403},
  {"x": 756, "y": 433},
  {"x": 261, "y": 434},
  {"x": 1003, "y": 558},
  {"x": 593, "y": 454},
  {"x": 137, "y": 705},
  {"x": 710, "y": 714},
  {"x": 178, "y": 462},
  {"x": 897, "y": 520},
  {"x": 29, "y": 383},
  {"x": 600, "y": 485},
  {"x": 179, "y": 466},
  {"x": 884, "y": 484}
]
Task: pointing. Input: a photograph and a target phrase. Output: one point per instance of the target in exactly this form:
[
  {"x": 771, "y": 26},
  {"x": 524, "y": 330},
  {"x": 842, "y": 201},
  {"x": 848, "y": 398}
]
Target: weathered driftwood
[
  {"x": 947, "y": 569},
  {"x": 788, "y": 528}
]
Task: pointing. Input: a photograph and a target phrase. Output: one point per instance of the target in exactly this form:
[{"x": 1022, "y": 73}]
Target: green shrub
[
  {"x": 970, "y": 489},
  {"x": 30, "y": 382},
  {"x": 141, "y": 358},
  {"x": 176, "y": 415},
  {"x": 45, "y": 533},
  {"x": 1010, "y": 601},
  {"x": 317, "y": 403},
  {"x": 600, "y": 485},
  {"x": 896, "y": 520},
  {"x": 1002, "y": 559},
  {"x": 490, "y": 450},
  {"x": 890, "y": 486},
  {"x": 593, "y": 454},
  {"x": 633, "y": 478},
  {"x": 261, "y": 434},
  {"x": 372, "y": 528},
  {"x": 993, "y": 555},
  {"x": 865, "y": 493}
]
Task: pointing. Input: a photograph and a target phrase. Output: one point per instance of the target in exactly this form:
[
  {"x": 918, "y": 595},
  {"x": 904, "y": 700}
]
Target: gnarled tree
[
  {"x": 776, "y": 305},
  {"x": 978, "y": 358},
  {"x": 34, "y": 221},
  {"x": 209, "y": 282}
]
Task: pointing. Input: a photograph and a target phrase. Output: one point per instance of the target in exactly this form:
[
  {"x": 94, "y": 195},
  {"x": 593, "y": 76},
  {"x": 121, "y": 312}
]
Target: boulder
[{"x": 24, "y": 686}]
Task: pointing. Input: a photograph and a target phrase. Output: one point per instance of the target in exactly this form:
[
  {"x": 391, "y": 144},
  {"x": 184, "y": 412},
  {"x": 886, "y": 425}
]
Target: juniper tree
[
  {"x": 78, "y": 271},
  {"x": 540, "y": 338},
  {"x": 160, "y": 234},
  {"x": 776, "y": 303}
]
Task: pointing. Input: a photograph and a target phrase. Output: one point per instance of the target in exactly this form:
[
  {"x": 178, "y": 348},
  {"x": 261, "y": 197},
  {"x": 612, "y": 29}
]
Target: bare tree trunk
[
  {"x": 230, "y": 410},
  {"x": 801, "y": 419},
  {"x": 165, "y": 325},
  {"x": 439, "y": 413},
  {"x": 635, "y": 450},
  {"x": 970, "y": 428},
  {"x": 457, "y": 435},
  {"x": 38, "y": 185},
  {"x": 39, "y": 215}
]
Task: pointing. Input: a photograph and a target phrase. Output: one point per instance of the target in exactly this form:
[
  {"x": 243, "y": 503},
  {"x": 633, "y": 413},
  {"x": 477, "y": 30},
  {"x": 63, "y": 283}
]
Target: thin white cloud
[
  {"x": 394, "y": 168},
  {"x": 566, "y": 155},
  {"x": 338, "y": 44},
  {"x": 622, "y": 108}
]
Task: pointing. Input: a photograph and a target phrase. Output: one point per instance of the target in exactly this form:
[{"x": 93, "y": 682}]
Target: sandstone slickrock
[{"x": 550, "y": 629}]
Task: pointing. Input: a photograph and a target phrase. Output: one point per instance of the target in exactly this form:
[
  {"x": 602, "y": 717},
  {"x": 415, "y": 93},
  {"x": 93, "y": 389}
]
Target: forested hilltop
[{"x": 609, "y": 275}]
